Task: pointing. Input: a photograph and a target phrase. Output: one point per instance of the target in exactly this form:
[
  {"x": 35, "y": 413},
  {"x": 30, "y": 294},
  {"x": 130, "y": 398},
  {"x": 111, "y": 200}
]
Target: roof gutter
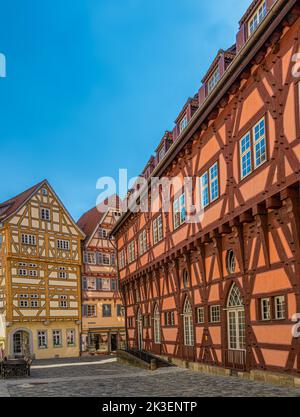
[{"x": 243, "y": 58}]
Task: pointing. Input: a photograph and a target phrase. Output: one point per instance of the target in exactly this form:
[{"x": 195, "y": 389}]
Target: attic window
[
  {"x": 183, "y": 124},
  {"x": 161, "y": 154},
  {"x": 102, "y": 233},
  {"x": 44, "y": 191},
  {"x": 212, "y": 82},
  {"x": 257, "y": 18}
]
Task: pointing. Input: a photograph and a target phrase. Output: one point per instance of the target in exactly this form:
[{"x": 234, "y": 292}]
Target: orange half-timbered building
[{"x": 223, "y": 291}]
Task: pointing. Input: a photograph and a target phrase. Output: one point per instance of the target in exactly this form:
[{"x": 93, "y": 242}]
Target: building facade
[
  {"x": 103, "y": 324},
  {"x": 223, "y": 290},
  {"x": 40, "y": 263}
]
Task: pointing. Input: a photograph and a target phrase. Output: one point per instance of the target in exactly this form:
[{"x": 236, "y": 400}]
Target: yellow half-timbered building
[{"x": 40, "y": 262}]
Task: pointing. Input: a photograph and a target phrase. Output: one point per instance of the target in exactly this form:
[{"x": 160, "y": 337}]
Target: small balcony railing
[{"x": 235, "y": 359}]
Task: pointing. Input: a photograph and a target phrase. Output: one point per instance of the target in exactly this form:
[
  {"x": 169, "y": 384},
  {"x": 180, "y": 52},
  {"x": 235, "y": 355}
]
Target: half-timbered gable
[
  {"x": 226, "y": 283},
  {"x": 103, "y": 321},
  {"x": 41, "y": 254}
]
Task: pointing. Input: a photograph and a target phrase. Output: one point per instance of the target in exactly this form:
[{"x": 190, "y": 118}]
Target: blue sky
[{"x": 92, "y": 85}]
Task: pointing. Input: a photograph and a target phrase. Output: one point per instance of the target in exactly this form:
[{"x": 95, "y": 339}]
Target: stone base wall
[{"x": 254, "y": 375}]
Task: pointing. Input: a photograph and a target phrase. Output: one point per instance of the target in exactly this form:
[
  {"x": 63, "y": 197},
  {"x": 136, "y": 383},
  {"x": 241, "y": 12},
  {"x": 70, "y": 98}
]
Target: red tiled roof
[
  {"x": 89, "y": 220},
  {"x": 9, "y": 207}
]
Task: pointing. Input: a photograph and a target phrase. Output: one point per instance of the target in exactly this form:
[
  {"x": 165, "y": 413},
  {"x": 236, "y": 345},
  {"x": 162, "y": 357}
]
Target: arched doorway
[
  {"x": 188, "y": 332},
  {"x": 140, "y": 330},
  {"x": 236, "y": 329},
  {"x": 21, "y": 344},
  {"x": 188, "y": 325}
]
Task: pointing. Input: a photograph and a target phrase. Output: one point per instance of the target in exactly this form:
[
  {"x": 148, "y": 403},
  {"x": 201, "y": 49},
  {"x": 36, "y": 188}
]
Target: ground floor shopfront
[{"x": 103, "y": 340}]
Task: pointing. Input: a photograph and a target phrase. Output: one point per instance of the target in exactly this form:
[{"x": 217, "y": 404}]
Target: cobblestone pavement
[{"x": 91, "y": 378}]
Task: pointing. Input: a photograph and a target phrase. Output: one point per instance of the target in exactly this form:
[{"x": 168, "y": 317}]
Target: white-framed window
[
  {"x": 102, "y": 233},
  {"x": 156, "y": 326},
  {"x": 279, "y": 308},
  {"x": 122, "y": 258},
  {"x": 214, "y": 182},
  {"x": 63, "y": 301},
  {"x": 103, "y": 258},
  {"x": 158, "y": 233},
  {"x": 62, "y": 273},
  {"x": 57, "y": 338},
  {"x": 253, "y": 149},
  {"x": 200, "y": 315},
  {"x": 209, "y": 185},
  {"x": 204, "y": 190},
  {"x": 245, "y": 155},
  {"x": 63, "y": 244},
  {"x": 257, "y": 18},
  {"x": 183, "y": 124},
  {"x": 215, "y": 314},
  {"x": 259, "y": 136},
  {"x": 89, "y": 258},
  {"x": 188, "y": 325},
  {"x": 42, "y": 339},
  {"x": 44, "y": 191},
  {"x": 89, "y": 310},
  {"x": 71, "y": 337},
  {"x": 45, "y": 214},
  {"x": 34, "y": 303},
  {"x": 24, "y": 303},
  {"x": 236, "y": 320},
  {"x": 213, "y": 80},
  {"x": 28, "y": 239},
  {"x": 22, "y": 272},
  {"x": 113, "y": 259},
  {"x": 131, "y": 251},
  {"x": 266, "y": 309},
  {"x": 179, "y": 211},
  {"x": 143, "y": 242},
  {"x": 33, "y": 273}
]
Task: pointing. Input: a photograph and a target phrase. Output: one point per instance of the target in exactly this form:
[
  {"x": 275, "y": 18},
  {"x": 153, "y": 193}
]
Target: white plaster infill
[{"x": 65, "y": 365}]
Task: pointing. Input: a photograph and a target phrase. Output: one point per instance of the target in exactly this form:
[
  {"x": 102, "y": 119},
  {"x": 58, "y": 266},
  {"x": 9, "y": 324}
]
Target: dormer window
[
  {"x": 257, "y": 18},
  {"x": 212, "y": 82},
  {"x": 161, "y": 154},
  {"x": 183, "y": 124}
]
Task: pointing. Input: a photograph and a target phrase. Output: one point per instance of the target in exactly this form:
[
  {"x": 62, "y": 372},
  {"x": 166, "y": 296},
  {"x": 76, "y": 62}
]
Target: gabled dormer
[
  {"x": 164, "y": 146},
  {"x": 149, "y": 168},
  {"x": 185, "y": 116},
  {"x": 215, "y": 72},
  {"x": 252, "y": 19}
]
